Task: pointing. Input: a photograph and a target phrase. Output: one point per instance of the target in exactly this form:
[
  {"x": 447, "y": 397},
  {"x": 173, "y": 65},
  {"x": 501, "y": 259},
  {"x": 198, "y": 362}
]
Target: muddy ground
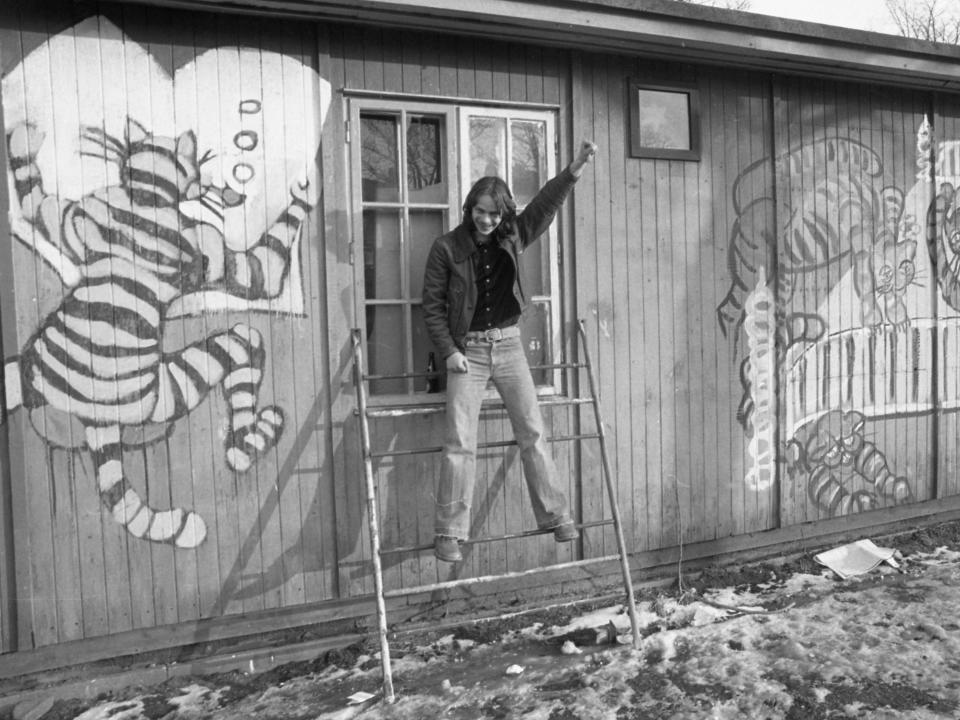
[{"x": 768, "y": 667}]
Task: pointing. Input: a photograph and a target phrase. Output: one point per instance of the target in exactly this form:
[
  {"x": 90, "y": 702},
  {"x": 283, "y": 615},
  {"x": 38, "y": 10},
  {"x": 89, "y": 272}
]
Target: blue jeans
[{"x": 505, "y": 363}]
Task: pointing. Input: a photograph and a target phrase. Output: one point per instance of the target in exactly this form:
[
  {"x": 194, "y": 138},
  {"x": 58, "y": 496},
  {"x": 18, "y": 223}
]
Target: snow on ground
[{"x": 882, "y": 646}]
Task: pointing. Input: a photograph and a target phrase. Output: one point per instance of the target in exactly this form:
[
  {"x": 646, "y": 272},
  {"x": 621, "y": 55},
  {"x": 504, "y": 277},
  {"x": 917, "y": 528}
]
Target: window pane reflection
[
  {"x": 664, "y": 119},
  {"x": 425, "y": 152},
  {"x": 379, "y": 158},
  {"x": 422, "y": 347},
  {"x": 536, "y": 333},
  {"x": 529, "y": 159},
  {"x": 381, "y": 253},
  {"x": 425, "y": 227},
  {"x": 386, "y": 348},
  {"x": 532, "y": 270},
  {"x": 488, "y": 143}
]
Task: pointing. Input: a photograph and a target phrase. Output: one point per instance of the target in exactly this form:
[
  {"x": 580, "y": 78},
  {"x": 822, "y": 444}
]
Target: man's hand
[{"x": 457, "y": 363}]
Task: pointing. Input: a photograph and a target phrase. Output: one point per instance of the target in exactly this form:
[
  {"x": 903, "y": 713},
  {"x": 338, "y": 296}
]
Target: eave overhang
[{"x": 649, "y": 28}]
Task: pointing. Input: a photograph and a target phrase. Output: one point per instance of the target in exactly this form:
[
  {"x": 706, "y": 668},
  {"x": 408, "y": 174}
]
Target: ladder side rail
[
  {"x": 614, "y": 505},
  {"x": 373, "y": 521}
]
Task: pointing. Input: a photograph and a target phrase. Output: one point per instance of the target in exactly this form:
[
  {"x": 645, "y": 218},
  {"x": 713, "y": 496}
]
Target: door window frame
[{"x": 456, "y": 113}]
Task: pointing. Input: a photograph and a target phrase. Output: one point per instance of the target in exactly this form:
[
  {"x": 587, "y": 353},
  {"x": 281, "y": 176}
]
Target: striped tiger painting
[{"x": 99, "y": 355}]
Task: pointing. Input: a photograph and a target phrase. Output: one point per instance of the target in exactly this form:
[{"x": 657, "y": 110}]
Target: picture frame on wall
[{"x": 664, "y": 120}]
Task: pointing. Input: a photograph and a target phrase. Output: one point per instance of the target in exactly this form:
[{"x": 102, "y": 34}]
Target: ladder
[{"x": 366, "y": 413}]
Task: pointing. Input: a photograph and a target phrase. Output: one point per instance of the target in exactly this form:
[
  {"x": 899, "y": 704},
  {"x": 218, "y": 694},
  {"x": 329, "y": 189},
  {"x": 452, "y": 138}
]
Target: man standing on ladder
[{"x": 472, "y": 301}]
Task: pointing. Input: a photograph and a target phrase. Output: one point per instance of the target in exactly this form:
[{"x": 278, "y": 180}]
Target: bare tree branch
[{"x": 936, "y": 20}]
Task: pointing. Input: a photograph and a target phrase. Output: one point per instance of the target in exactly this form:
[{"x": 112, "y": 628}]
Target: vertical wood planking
[
  {"x": 697, "y": 480},
  {"x": 623, "y": 301},
  {"x": 186, "y": 488},
  {"x": 761, "y": 514},
  {"x": 946, "y": 124},
  {"x": 9, "y": 474},
  {"x": 76, "y": 528},
  {"x": 412, "y": 70},
  {"x": 368, "y": 45},
  {"x": 499, "y": 53},
  {"x": 664, "y": 173},
  {"x": 636, "y": 522},
  {"x": 703, "y": 407},
  {"x": 38, "y": 612},
  {"x": 320, "y": 515},
  {"x": 584, "y": 260},
  {"x": 317, "y": 547},
  {"x": 448, "y": 62},
  {"x": 651, "y": 314},
  {"x": 792, "y": 489},
  {"x": 724, "y": 109},
  {"x": 714, "y": 238},
  {"x": 352, "y": 542},
  {"x": 604, "y": 248}
]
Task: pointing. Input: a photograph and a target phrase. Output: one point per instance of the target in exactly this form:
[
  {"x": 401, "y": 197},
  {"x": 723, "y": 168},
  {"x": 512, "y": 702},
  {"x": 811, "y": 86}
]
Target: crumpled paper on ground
[{"x": 856, "y": 558}]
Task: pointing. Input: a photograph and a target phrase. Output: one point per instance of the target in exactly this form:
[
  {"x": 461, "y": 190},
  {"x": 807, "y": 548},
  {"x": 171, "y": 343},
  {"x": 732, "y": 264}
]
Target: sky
[{"x": 859, "y": 14}]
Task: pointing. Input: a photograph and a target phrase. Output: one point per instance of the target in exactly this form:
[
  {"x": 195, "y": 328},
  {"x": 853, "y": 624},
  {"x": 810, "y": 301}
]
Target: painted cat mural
[
  {"x": 161, "y": 231},
  {"x": 849, "y": 336}
]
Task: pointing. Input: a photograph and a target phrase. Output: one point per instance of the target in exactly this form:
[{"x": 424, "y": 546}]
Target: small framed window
[{"x": 664, "y": 121}]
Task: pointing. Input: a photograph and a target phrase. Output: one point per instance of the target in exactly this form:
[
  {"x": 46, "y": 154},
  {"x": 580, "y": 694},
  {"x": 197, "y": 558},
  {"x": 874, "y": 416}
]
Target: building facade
[{"x": 202, "y": 200}]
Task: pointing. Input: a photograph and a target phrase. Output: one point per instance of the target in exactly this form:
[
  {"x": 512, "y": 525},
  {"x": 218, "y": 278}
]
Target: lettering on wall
[{"x": 160, "y": 197}]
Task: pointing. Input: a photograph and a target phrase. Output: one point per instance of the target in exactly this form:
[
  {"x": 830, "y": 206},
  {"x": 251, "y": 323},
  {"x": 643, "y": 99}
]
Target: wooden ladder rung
[
  {"x": 436, "y": 374},
  {"x": 480, "y": 446},
  {"x": 502, "y": 576},
  {"x": 490, "y": 539},
  {"x": 432, "y": 408}
]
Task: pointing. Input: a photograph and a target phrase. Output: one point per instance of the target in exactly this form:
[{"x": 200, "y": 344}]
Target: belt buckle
[{"x": 493, "y": 335}]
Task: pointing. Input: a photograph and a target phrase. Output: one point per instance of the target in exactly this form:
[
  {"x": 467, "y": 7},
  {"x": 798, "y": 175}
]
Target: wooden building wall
[
  {"x": 756, "y": 371},
  {"x": 247, "y": 95}
]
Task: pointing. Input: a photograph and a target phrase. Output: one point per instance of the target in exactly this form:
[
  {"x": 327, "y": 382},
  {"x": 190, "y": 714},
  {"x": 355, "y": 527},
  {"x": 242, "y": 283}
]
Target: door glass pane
[
  {"x": 535, "y": 332},
  {"x": 381, "y": 254},
  {"x": 488, "y": 147},
  {"x": 379, "y": 158},
  {"x": 426, "y": 181},
  {"x": 533, "y": 272},
  {"x": 386, "y": 348},
  {"x": 422, "y": 347},
  {"x": 529, "y": 159},
  {"x": 425, "y": 227}
]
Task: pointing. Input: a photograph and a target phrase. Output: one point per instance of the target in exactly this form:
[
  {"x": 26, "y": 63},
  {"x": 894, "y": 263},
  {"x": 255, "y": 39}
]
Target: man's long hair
[{"x": 498, "y": 191}]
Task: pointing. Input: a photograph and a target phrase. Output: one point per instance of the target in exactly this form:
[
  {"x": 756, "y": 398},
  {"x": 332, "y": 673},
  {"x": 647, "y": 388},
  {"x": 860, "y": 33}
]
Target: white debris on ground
[{"x": 880, "y": 646}]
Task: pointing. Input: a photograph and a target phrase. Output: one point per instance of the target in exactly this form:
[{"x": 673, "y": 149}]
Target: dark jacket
[{"x": 449, "y": 283}]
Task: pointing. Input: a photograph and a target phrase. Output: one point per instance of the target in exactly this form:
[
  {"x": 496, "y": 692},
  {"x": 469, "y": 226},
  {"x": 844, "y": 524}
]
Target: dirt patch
[
  {"x": 658, "y": 688},
  {"x": 666, "y": 692},
  {"x": 492, "y": 630},
  {"x": 867, "y": 694},
  {"x": 929, "y": 538}
]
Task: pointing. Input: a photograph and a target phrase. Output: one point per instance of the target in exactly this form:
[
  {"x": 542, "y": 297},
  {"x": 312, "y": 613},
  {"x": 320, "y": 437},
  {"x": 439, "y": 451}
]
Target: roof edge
[{"x": 659, "y": 28}]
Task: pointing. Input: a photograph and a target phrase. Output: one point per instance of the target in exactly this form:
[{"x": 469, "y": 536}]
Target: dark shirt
[{"x": 496, "y": 305}]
